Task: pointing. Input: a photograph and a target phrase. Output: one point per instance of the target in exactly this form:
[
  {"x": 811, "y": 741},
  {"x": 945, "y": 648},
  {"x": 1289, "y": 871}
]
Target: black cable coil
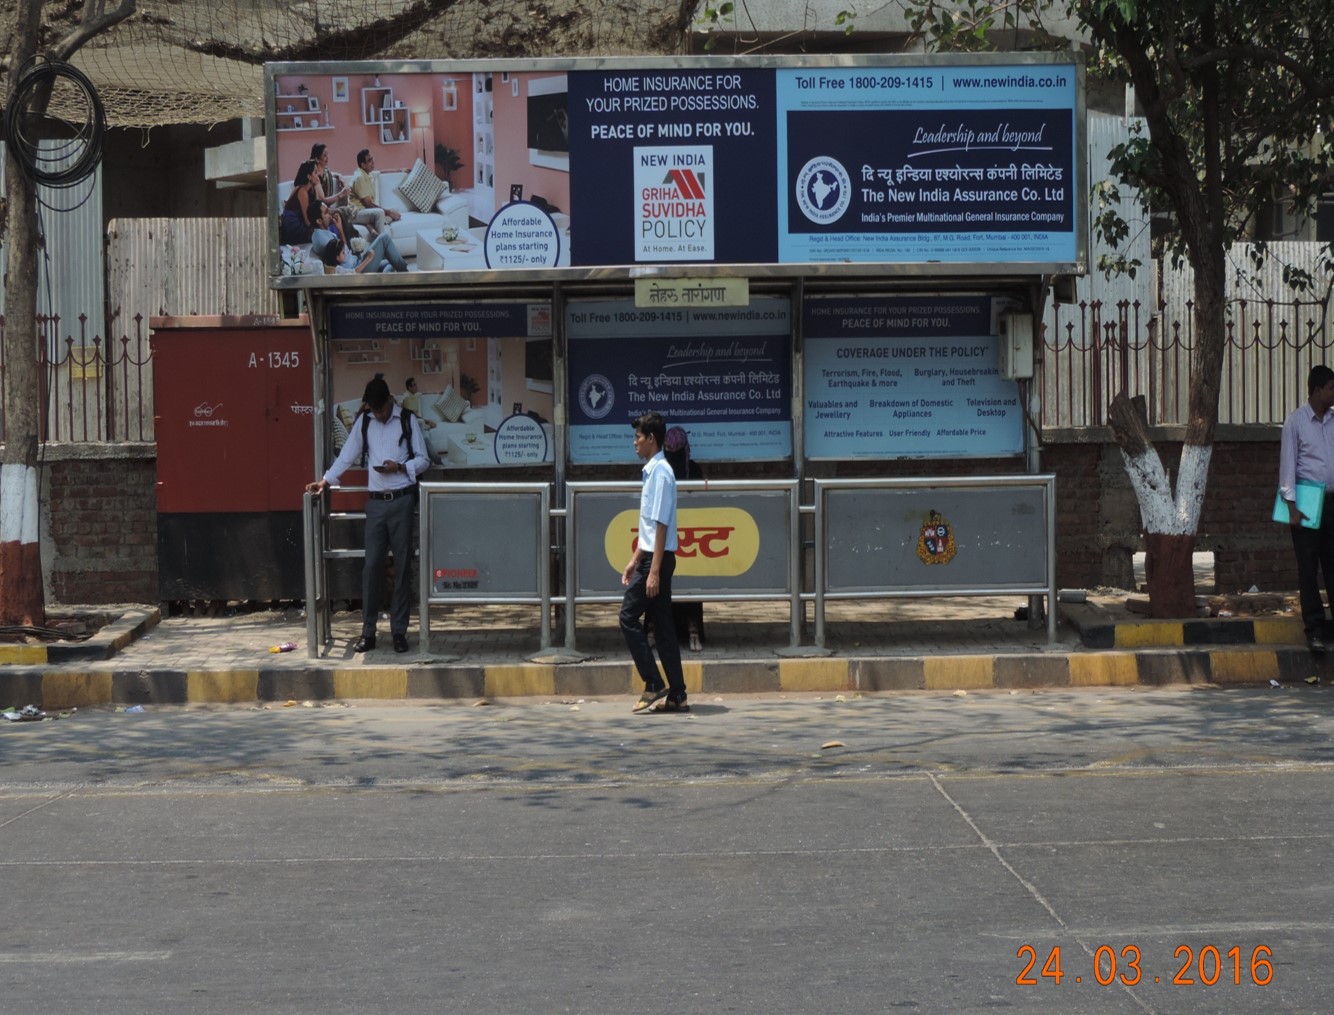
[{"x": 76, "y": 157}]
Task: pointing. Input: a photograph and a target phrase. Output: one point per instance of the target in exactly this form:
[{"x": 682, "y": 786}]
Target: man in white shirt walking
[{"x": 648, "y": 575}]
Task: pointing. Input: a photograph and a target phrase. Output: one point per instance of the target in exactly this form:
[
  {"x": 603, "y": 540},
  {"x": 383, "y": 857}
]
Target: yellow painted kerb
[
  {"x": 22, "y": 655},
  {"x": 1104, "y": 669},
  {"x": 75, "y": 690},
  {"x": 224, "y": 686},
  {"x": 371, "y": 683},
  {"x": 952, "y": 673},
  {"x": 1243, "y": 667},
  {"x": 519, "y": 681},
  {"x": 1278, "y": 631},
  {"x": 1143, "y": 635},
  {"x": 814, "y": 675}
]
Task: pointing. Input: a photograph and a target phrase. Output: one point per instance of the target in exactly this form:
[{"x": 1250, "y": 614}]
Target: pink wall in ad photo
[
  {"x": 343, "y": 129},
  {"x": 512, "y": 164}
]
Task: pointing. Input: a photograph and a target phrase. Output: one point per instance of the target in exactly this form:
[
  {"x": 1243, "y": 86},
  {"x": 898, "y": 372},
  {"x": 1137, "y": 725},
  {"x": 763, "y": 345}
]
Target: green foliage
[
  {"x": 1238, "y": 96},
  {"x": 710, "y": 21}
]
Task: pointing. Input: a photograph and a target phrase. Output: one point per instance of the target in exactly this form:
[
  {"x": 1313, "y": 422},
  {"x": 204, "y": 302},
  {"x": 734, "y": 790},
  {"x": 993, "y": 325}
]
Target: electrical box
[{"x": 1016, "y": 345}]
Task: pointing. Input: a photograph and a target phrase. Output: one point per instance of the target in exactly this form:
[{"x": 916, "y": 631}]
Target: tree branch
[{"x": 93, "y": 23}]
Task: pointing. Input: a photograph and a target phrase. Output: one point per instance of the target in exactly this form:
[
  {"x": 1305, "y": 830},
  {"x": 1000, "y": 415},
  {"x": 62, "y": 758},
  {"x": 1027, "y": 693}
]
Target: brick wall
[
  {"x": 1097, "y": 517},
  {"x": 99, "y": 524}
]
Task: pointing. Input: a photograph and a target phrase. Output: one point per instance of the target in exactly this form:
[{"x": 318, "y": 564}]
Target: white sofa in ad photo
[
  {"x": 451, "y": 209},
  {"x": 447, "y": 422}
]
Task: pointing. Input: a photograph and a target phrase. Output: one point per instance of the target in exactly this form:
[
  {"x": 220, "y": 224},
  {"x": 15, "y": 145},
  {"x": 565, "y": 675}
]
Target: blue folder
[{"x": 1310, "y": 502}]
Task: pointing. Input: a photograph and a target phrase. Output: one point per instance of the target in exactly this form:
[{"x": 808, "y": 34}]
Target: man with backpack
[{"x": 391, "y": 439}]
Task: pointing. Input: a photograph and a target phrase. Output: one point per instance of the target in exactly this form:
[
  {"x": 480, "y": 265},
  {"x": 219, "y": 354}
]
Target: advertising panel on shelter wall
[
  {"x": 906, "y": 377},
  {"x": 723, "y": 375},
  {"x": 576, "y": 166},
  {"x": 466, "y": 369}
]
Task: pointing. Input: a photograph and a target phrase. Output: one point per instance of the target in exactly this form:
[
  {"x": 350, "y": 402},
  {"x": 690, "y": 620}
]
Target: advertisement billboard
[
  {"x": 906, "y": 377},
  {"x": 574, "y": 167},
  {"x": 724, "y": 375},
  {"x": 478, "y": 374}
]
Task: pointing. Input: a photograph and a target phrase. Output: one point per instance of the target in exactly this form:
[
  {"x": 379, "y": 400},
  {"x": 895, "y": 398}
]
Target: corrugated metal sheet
[
  {"x": 183, "y": 267},
  {"x": 1276, "y": 335},
  {"x": 180, "y": 267},
  {"x": 70, "y": 276}
]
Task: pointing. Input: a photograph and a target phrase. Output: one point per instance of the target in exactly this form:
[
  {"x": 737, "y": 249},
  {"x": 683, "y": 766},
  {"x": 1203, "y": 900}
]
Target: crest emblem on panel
[{"x": 935, "y": 543}]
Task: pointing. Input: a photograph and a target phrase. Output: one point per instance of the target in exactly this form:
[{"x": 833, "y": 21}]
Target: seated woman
[
  {"x": 380, "y": 255},
  {"x": 294, "y": 223}
]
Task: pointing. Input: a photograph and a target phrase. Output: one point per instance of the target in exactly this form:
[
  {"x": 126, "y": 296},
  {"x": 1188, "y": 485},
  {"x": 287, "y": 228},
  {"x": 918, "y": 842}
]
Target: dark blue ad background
[
  {"x": 602, "y": 189},
  {"x": 646, "y": 360},
  {"x": 883, "y": 139}
]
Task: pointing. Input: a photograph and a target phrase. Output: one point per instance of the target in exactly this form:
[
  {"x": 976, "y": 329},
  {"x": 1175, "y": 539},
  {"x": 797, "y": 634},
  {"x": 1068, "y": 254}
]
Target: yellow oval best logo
[{"x": 723, "y": 542}]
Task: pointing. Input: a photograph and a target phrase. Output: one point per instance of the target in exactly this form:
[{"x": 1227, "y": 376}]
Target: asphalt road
[{"x": 914, "y": 852}]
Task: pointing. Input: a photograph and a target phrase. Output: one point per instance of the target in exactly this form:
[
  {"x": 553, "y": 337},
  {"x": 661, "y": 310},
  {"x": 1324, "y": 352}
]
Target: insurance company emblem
[
  {"x": 596, "y": 396},
  {"x": 824, "y": 190}
]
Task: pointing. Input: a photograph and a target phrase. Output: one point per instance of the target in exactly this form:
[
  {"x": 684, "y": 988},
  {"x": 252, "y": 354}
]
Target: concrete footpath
[{"x": 942, "y": 644}]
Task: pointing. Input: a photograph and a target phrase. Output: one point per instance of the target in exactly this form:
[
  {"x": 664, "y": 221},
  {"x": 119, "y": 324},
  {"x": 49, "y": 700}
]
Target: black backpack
[{"x": 405, "y": 417}]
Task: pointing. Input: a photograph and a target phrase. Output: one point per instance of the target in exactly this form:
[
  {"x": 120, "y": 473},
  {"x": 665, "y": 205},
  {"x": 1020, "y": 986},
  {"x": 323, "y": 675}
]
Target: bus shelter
[{"x": 825, "y": 270}]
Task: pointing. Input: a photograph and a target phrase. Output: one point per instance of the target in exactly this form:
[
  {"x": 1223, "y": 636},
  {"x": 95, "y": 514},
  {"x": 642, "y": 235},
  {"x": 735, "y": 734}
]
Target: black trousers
[
  {"x": 388, "y": 530},
  {"x": 634, "y": 606},
  {"x": 1314, "y": 549}
]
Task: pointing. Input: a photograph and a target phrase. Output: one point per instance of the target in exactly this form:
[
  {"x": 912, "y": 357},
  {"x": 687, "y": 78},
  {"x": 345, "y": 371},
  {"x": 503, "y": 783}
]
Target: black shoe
[
  {"x": 400, "y": 643},
  {"x": 365, "y": 643},
  {"x": 1317, "y": 645},
  {"x": 676, "y": 704}
]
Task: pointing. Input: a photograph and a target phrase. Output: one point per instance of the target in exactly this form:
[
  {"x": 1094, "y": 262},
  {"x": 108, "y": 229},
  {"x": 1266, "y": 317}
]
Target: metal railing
[
  {"x": 1092, "y": 352},
  {"x": 97, "y": 390},
  {"x": 91, "y": 390}
]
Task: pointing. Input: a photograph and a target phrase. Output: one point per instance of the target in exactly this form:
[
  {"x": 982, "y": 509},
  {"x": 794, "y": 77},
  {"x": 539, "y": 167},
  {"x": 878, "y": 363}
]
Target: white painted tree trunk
[
  {"x": 1163, "y": 511},
  {"x": 20, "y": 557}
]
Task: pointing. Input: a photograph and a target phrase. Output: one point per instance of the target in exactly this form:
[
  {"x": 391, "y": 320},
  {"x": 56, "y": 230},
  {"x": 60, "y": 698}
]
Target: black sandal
[
  {"x": 675, "y": 705},
  {"x": 649, "y": 698}
]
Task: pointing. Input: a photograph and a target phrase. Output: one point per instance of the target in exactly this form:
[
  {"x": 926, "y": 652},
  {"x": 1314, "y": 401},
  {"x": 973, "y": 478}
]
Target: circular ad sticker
[
  {"x": 520, "y": 439},
  {"x": 522, "y": 235}
]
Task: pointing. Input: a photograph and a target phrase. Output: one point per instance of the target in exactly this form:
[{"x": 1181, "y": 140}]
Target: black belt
[{"x": 392, "y": 494}]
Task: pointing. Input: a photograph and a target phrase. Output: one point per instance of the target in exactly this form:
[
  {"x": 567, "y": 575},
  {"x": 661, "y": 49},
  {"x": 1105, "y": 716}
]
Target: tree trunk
[
  {"x": 1169, "y": 573},
  {"x": 22, "y": 596}
]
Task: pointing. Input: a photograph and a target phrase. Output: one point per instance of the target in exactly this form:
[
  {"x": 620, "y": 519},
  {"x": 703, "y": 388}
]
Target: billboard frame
[{"x": 628, "y": 271}]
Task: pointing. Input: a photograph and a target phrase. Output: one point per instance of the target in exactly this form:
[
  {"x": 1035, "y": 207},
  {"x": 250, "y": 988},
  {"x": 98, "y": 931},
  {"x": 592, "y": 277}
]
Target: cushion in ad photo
[
  {"x": 452, "y": 406},
  {"x": 421, "y": 188}
]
